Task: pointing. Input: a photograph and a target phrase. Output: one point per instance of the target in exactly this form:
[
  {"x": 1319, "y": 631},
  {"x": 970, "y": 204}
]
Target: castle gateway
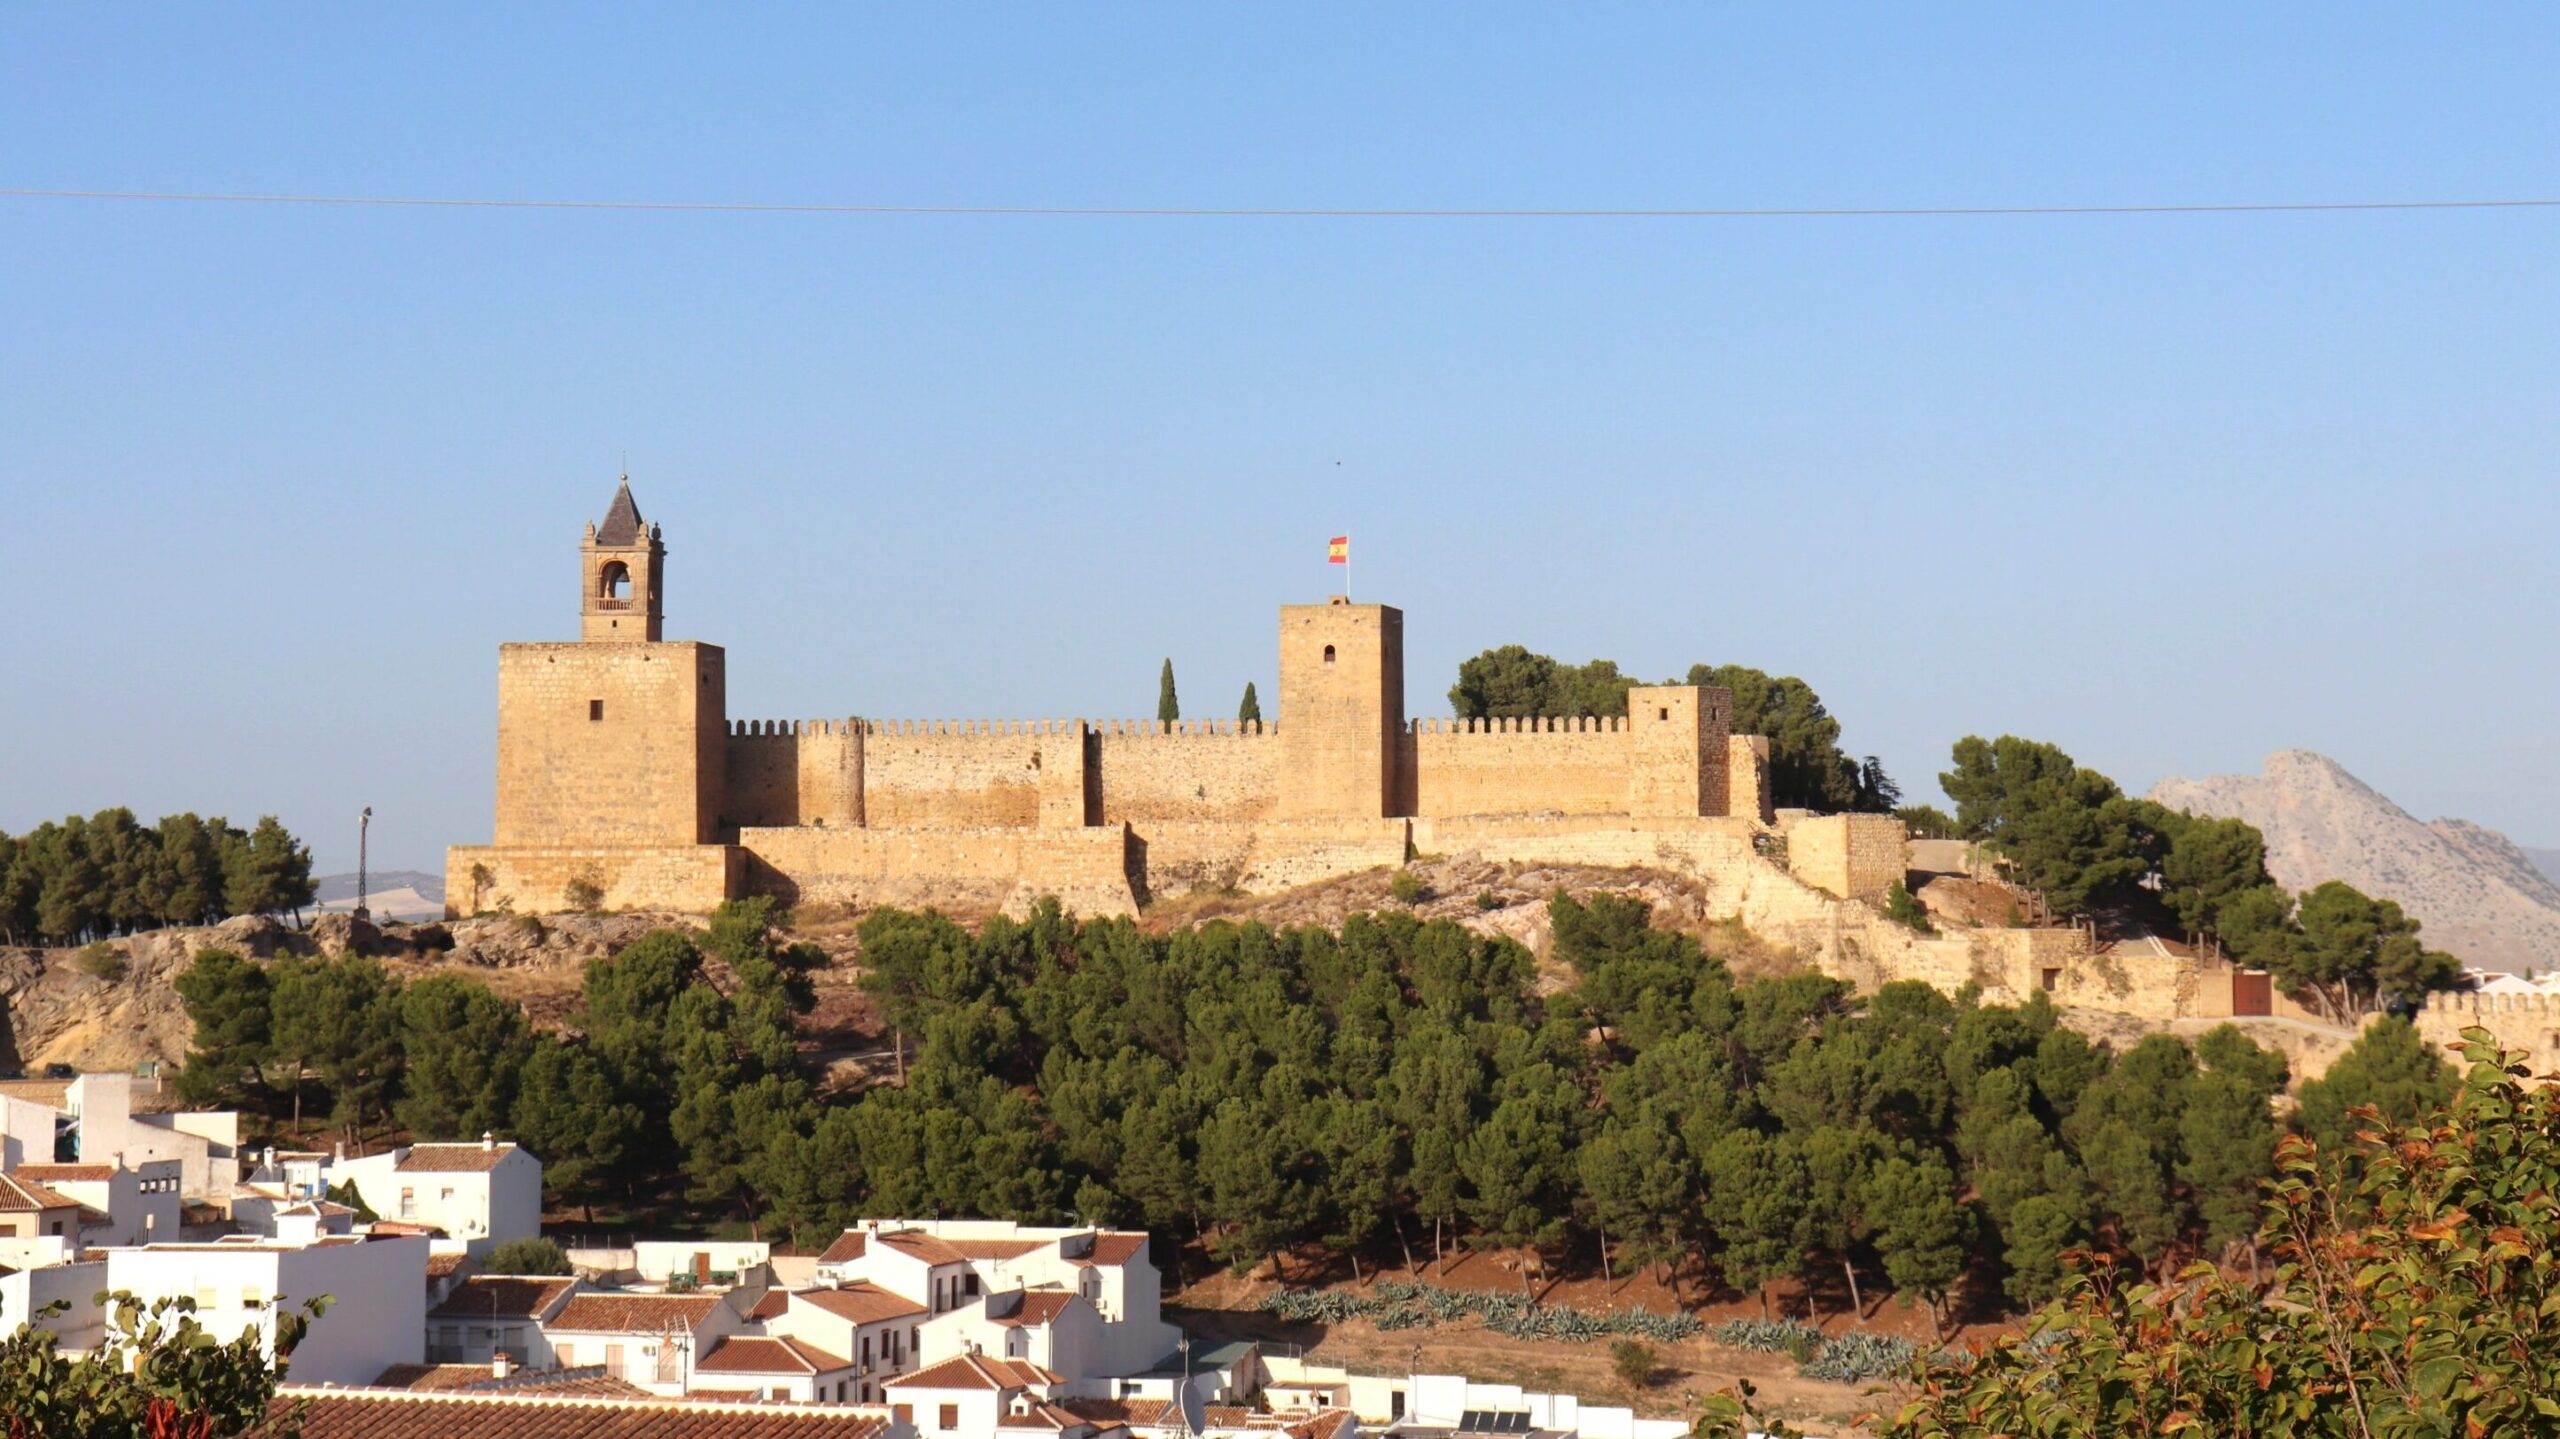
[{"x": 624, "y": 784}]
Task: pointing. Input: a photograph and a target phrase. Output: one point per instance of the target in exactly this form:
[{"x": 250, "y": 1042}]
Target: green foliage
[
  {"x": 2414, "y": 1295},
  {"x": 1903, "y": 909},
  {"x": 2065, "y": 830},
  {"x": 582, "y": 894},
  {"x": 230, "y": 1001},
  {"x": 1249, "y": 710},
  {"x": 1405, "y": 887},
  {"x": 463, "y": 1053},
  {"x": 157, "y": 1373},
  {"x": 2389, "y": 1069},
  {"x": 83, "y": 879},
  {"x": 345, "y": 1192},
  {"x": 1513, "y": 683},
  {"x": 529, "y": 1256},
  {"x": 101, "y": 960},
  {"x": 1168, "y": 705},
  {"x": 2357, "y": 954},
  {"x": 338, "y": 1021},
  {"x": 1634, "y": 1362},
  {"x": 1807, "y": 767},
  {"x": 1927, "y": 821}
]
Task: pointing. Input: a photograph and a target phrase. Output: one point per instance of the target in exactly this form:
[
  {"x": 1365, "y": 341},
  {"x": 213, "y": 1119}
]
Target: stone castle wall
[
  {"x": 1518, "y": 766},
  {"x": 524, "y": 879},
  {"x": 2528, "y": 1023},
  {"x": 1188, "y": 772}
]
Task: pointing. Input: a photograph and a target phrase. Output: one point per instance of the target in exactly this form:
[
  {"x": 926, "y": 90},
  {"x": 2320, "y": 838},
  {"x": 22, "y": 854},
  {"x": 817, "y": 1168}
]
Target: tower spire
[{"x": 622, "y": 565}]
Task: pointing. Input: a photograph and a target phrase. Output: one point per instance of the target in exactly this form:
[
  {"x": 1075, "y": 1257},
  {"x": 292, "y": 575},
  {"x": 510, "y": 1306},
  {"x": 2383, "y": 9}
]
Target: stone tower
[
  {"x": 622, "y": 575},
  {"x": 1341, "y": 710}
]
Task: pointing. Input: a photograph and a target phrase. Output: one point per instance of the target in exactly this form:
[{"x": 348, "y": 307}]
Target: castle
[{"x": 623, "y": 782}]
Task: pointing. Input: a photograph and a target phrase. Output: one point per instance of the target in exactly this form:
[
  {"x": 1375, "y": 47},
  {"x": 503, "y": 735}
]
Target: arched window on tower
[
  {"x": 1328, "y": 654},
  {"x": 613, "y": 583}
]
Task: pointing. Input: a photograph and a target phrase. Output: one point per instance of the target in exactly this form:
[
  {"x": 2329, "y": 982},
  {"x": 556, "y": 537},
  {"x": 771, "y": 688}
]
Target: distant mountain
[
  {"x": 2546, "y": 860},
  {"x": 389, "y": 893},
  {"x": 2493, "y": 905}
]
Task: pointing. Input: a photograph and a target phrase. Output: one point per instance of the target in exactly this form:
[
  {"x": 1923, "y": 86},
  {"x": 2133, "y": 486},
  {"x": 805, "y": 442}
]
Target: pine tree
[
  {"x": 1249, "y": 712},
  {"x": 1168, "y": 706}
]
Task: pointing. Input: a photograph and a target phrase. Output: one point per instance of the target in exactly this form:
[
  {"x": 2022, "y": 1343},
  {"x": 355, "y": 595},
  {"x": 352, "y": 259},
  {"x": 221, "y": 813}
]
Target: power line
[{"x": 1276, "y": 212}]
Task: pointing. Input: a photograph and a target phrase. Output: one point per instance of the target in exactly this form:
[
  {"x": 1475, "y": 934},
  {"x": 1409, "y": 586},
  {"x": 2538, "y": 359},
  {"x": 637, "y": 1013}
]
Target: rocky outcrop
[{"x": 2476, "y": 894}]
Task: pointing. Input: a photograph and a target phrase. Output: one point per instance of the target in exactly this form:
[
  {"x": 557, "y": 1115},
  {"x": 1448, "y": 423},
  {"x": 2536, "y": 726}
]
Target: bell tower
[{"x": 622, "y": 568}]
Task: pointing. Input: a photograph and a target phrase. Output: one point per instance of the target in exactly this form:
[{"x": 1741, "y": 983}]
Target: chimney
[
  {"x": 501, "y": 1364},
  {"x": 488, "y": 1141},
  {"x": 268, "y": 1160},
  {"x": 338, "y": 1152}
]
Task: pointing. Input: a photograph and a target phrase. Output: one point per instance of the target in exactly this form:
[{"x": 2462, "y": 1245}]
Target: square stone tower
[
  {"x": 1676, "y": 750},
  {"x": 1341, "y": 710},
  {"x": 622, "y": 738}
]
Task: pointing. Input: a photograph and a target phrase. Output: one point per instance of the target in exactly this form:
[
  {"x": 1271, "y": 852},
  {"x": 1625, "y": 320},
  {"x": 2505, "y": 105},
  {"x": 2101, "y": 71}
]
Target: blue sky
[{"x": 2169, "y": 491}]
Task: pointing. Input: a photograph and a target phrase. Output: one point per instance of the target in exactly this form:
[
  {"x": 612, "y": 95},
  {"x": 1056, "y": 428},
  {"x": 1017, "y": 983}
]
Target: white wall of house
[
  {"x": 949, "y": 1413},
  {"x": 377, "y": 1288},
  {"x": 660, "y": 1363},
  {"x": 39, "y": 1252},
  {"x": 26, "y": 1132},
  {"x": 833, "y": 1387},
  {"x": 879, "y": 1349},
  {"x": 79, "y": 1326},
  {"x": 656, "y": 1259}
]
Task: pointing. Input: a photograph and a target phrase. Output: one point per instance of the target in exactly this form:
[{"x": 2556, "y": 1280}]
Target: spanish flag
[{"x": 1338, "y": 552}]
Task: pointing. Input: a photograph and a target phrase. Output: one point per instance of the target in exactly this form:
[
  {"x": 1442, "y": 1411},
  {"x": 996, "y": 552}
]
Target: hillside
[
  {"x": 408, "y": 894},
  {"x": 2476, "y": 893}
]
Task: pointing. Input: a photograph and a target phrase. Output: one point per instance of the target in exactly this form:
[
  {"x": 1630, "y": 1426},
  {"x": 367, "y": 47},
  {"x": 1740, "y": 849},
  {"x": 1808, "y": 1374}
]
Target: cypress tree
[
  {"x": 1168, "y": 708},
  {"x": 1251, "y": 709}
]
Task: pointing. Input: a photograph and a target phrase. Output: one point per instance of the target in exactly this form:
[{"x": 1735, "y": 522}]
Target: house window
[
  {"x": 2052, "y": 979},
  {"x": 408, "y": 1204},
  {"x": 613, "y": 1360},
  {"x": 866, "y": 1349},
  {"x": 207, "y": 1297},
  {"x": 902, "y": 1413},
  {"x": 950, "y": 1417},
  {"x": 595, "y": 710},
  {"x": 444, "y": 1196},
  {"x": 969, "y": 1284}
]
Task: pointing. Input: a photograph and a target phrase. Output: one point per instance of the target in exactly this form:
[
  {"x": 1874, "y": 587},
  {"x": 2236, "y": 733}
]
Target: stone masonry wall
[
  {"x": 1853, "y": 856},
  {"x": 691, "y": 878},
  {"x": 610, "y": 744},
  {"x": 969, "y": 773},
  {"x": 794, "y": 772},
  {"x": 2529, "y": 1023},
  {"x": 1173, "y": 857},
  {"x": 1004, "y": 866},
  {"x": 1518, "y": 766},
  {"x": 1746, "y": 777},
  {"x": 1197, "y": 770}
]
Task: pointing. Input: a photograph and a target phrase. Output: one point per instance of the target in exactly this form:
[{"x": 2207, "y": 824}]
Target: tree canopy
[
  {"x": 158, "y": 1372},
  {"x": 81, "y": 879}
]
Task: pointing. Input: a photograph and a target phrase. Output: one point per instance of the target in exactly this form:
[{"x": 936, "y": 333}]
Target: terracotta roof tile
[
  {"x": 451, "y": 1159},
  {"x": 1039, "y": 1306},
  {"x": 1141, "y": 1412},
  {"x": 745, "y": 1354},
  {"x": 393, "y": 1415},
  {"x": 20, "y": 1196},
  {"x": 848, "y": 1247},
  {"x": 503, "y": 1297},
  {"x": 769, "y": 1305},
  {"x": 634, "y": 1313},
  {"x": 66, "y": 1173},
  {"x": 861, "y": 1303},
  {"x": 934, "y": 1249},
  {"x": 975, "y": 1371},
  {"x": 441, "y": 1265},
  {"x": 1110, "y": 1248}
]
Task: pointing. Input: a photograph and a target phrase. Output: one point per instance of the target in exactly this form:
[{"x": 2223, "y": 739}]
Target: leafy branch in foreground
[
  {"x": 158, "y": 1374},
  {"x": 2417, "y": 1293}
]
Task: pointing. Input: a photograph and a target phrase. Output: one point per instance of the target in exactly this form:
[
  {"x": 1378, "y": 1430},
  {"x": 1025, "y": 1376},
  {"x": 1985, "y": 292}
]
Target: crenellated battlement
[
  {"x": 2452, "y": 1002},
  {"x": 996, "y": 728},
  {"x": 1544, "y": 724},
  {"x": 790, "y": 729}
]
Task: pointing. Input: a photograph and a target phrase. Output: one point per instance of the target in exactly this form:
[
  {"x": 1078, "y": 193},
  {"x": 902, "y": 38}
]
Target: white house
[
  {"x": 968, "y": 1395},
  {"x": 876, "y": 1330},
  {"x": 775, "y": 1368},
  {"x": 29, "y": 1210},
  {"x": 205, "y": 1144},
  {"x": 26, "y": 1131},
  {"x": 1052, "y": 1328},
  {"x": 482, "y": 1194},
  {"x": 142, "y": 1205},
  {"x": 377, "y": 1289},
  {"x": 481, "y": 1317},
  {"x": 955, "y": 1265},
  {"x": 654, "y": 1341}
]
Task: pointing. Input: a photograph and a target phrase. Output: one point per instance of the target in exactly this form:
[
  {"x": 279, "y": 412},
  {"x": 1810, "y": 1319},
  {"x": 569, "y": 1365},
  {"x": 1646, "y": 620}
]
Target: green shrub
[
  {"x": 1487, "y": 900},
  {"x": 1405, "y": 887},
  {"x": 530, "y": 1256},
  {"x": 583, "y": 894},
  {"x": 101, "y": 960},
  {"x": 1903, "y": 908},
  {"x": 1632, "y": 1361}
]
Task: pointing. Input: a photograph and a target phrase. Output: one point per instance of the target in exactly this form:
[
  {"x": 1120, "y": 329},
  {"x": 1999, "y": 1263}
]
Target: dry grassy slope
[{"x": 2475, "y": 893}]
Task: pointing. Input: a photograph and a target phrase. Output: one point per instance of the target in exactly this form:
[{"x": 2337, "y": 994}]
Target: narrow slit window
[
  {"x": 595, "y": 709},
  {"x": 1328, "y": 654}
]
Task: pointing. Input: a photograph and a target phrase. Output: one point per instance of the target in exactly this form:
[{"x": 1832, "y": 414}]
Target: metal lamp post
[{"x": 364, "y": 822}]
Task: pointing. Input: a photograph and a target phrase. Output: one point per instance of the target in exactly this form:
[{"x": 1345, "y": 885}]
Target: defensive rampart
[{"x": 2527, "y": 1023}]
